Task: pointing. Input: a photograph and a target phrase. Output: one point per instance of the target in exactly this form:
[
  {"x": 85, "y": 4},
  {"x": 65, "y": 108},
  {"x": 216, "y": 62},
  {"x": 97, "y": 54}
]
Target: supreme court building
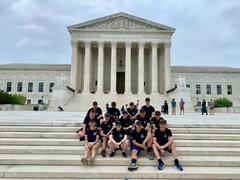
[{"x": 119, "y": 58}]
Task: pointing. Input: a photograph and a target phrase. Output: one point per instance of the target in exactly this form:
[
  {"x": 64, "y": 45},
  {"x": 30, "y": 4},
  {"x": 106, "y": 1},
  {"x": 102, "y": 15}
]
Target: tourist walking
[
  {"x": 165, "y": 107},
  {"x": 181, "y": 105},
  {"x": 174, "y": 105},
  {"x": 204, "y": 107},
  {"x": 211, "y": 105}
]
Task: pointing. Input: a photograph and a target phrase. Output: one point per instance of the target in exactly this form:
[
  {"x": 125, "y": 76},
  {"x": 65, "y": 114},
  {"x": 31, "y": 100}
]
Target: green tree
[{"x": 223, "y": 102}]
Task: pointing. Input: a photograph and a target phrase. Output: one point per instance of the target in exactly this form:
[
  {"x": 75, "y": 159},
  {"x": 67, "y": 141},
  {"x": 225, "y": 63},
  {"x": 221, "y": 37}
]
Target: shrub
[
  {"x": 6, "y": 98},
  {"x": 223, "y": 102}
]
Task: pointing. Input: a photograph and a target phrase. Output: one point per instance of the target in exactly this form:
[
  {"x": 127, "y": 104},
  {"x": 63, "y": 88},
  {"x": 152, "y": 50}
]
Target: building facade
[{"x": 119, "y": 58}]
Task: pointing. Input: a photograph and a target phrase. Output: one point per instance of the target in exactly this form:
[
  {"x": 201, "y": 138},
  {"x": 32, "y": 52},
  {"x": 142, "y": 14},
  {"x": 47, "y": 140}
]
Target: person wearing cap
[
  {"x": 126, "y": 122},
  {"x": 106, "y": 129},
  {"x": 98, "y": 110},
  {"x": 148, "y": 108},
  {"x": 142, "y": 116},
  {"x": 118, "y": 140},
  {"x": 113, "y": 111},
  {"x": 82, "y": 131},
  {"x": 91, "y": 143},
  {"x": 162, "y": 142},
  {"x": 139, "y": 141},
  {"x": 155, "y": 120},
  {"x": 132, "y": 110}
]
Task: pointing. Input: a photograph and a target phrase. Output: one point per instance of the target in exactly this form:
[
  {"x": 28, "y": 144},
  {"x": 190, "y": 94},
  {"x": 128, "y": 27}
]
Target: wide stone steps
[
  {"x": 110, "y": 172},
  {"x": 71, "y": 135},
  {"x": 76, "y": 142},
  {"x": 78, "y": 150},
  {"x": 118, "y": 160},
  {"x": 181, "y": 130},
  {"x": 50, "y": 150}
]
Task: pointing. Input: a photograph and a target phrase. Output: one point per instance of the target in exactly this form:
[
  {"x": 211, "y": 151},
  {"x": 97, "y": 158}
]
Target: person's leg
[
  {"x": 124, "y": 147},
  {"x": 86, "y": 152},
  {"x": 113, "y": 148},
  {"x": 134, "y": 153},
  {"x": 149, "y": 145},
  {"x": 93, "y": 153},
  {"x": 157, "y": 155},
  {"x": 172, "y": 149},
  {"x": 104, "y": 146}
]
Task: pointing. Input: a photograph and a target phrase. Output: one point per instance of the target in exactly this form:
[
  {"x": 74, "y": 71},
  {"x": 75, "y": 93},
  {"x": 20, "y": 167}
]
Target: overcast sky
[{"x": 207, "y": 31}]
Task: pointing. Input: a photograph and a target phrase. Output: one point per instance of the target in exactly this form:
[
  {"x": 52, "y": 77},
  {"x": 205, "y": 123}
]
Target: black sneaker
[
  {"x": 160, "y": 165},
  {"x": 133, "y": 167},
  {"x": 112, "y": 154},
  {"x": 178, "y": 166},
  {"x": 103, "y": 153},
  {"x": 124, "y": 154}
]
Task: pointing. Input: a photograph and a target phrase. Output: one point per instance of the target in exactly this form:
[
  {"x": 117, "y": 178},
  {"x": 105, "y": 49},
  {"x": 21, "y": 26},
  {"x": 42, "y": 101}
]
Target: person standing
[
  {"x": 204, "y": 107},
  {"x": 211, "y": 104},
  {"x": 181, "y": 105},
  {"x": 165, "y": 107},
  {"x": 174, "y": 105}
]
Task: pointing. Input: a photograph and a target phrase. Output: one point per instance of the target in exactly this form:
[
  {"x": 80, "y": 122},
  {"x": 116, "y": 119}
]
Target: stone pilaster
[
  {"x": 128, "y": 68},
  {"x": 87, "y": 59},
  {"x": 113, "y": 68},
  {"x": 154, "y": 69},
  {"x": 100, "y": 68},
  {"x": 141, "y": 68}
]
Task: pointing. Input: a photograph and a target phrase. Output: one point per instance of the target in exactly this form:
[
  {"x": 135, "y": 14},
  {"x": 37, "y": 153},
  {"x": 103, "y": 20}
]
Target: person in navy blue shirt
[
  {"x": 107, "y": 126},
  {"x": 114, "y": 111},
  {"x": 139, "y": 141},
  {"x": 91, "y": 143},
  {"x": 118, "y": 140},
  {"x": 162, "y": 142}
]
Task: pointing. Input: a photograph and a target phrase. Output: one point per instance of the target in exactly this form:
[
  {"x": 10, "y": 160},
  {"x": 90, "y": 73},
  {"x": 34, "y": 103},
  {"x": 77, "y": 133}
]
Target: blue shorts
[{"x": 136, "y": 148}]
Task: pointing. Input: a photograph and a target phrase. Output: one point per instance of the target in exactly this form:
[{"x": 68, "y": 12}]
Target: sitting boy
[
  {"x": 162, "y": 142},
  {"x": 118, "y": 140},
  {"x": 91, "y": 143},
  {"x": 106, "y": 129},
  {"x": 139, "y": 140}
]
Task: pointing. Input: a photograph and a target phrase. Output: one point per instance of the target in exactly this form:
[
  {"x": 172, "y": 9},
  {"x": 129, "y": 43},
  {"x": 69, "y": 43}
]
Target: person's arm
[
  {"x": 124, "y": 139},
  {"x": 111, "y": 130},
  {"x": 84, "y": 128},
  {"x": 96, "y": 141},
  {"x": 111, "y": 139},
  {"x": 155, "y": 142},
  {"x": 136, "y": 143},
  {"x": 170, "y": 141}
]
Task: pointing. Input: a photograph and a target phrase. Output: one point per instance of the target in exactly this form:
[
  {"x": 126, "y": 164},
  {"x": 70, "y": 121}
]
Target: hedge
[
  {"x": 6, "y": 98},
  {"x": 223, "y": 102}
]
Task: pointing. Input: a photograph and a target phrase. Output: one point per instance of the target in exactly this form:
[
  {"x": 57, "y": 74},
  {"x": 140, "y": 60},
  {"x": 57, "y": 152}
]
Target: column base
[
  {"x": 113, "y": 93},
  {"x": 141, "y": 93},
  {"x": 128, "y": 93},
  {"x": 99, "y": 93}
]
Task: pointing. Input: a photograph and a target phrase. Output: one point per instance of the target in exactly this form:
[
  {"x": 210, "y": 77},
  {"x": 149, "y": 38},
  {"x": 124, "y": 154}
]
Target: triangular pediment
[{"x": 121, "y": 21}]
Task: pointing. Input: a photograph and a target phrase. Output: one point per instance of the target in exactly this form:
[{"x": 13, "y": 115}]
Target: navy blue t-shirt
[{"x": 92, "y": 134}]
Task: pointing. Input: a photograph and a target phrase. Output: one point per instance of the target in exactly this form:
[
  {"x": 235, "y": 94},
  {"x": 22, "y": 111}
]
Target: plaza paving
[{"x": 43, "y": 145}]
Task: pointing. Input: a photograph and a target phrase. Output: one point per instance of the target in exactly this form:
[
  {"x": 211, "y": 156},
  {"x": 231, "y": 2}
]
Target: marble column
[
  {"x": 154, "y": 69},
  {"x": 166, "y": 67},
  {"x": 128, "y": 68},
  {"x": 86, "y": 86},
  {"x": 141, "y": 68},
  {"x": 74, "y": 67},
  {"x": 113, "y": 68},
  {"x": 100, "y": 68}
]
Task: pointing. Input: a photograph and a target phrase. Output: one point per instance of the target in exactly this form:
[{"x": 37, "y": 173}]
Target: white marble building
[{"x": 119, "y": 58}]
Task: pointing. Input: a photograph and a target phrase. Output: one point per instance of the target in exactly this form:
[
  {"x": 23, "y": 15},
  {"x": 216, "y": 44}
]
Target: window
[
  {"x": 9, "y": 86},
  {"x": 208, "y": 89},
  {"x": 40, "y": 87},
  {"x": 39, "y": 101},
  {"x": 30, "y": 87},
  {"x": 51, "y": 86},
  {"x": 19, "y": 87},
  {"x": 28, "y": 101},
  {"x": 229, "y": 89},
  {"x": 219, "y": 89},
  {"x": 188, "y": 85},
  {"x": 198, "y": 89}
]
